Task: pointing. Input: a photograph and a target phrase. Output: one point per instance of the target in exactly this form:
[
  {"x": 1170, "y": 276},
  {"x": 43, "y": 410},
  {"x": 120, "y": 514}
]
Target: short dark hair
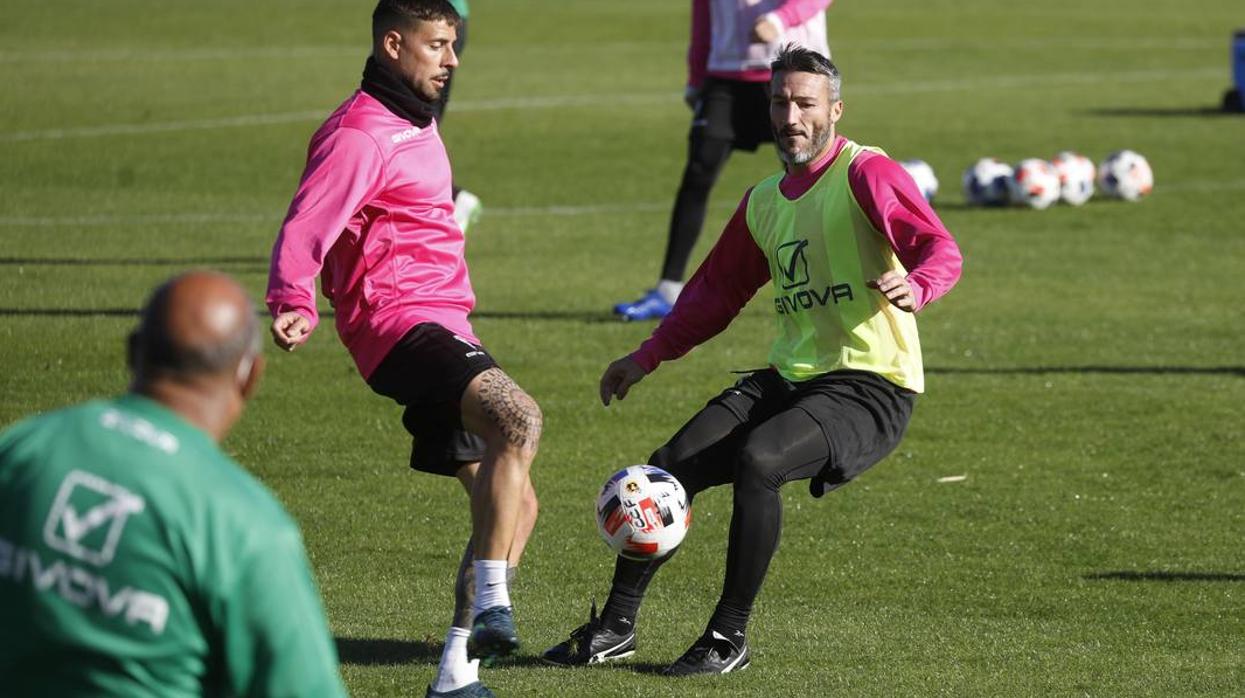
[
  {"x": 405, "y": 14},
  {"x": 797, "y": 59}
]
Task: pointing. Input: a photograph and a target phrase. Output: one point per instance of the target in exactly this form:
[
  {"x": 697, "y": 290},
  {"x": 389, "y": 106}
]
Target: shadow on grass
[
  {"x": 377, "y": 652},
  {"x": 1168, "y": 112},
  {"x": 89, "y": 312},
  {"x": 525, "y": 661},
  {"x": 571, "y": 315},
  {"x": 132, "y": 261},
  {"x": 1238, "y": 371},
  {"x": 1158, "y": 576},
  {"x": 371, "y": 652},
  {"x": 645, "y": 668},
  {"x": 552, "y": 315},
  {"x": 68, "y": 312}
]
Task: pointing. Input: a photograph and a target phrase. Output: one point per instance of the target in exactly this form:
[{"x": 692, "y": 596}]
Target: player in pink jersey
[{"x": 373, "y": 218}]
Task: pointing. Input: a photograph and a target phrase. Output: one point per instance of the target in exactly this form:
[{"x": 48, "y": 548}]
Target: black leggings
[
  {"x": 729, "y": 115},
  {"x": 706, "y": 156},
  {"x": 760, "y": 435}
]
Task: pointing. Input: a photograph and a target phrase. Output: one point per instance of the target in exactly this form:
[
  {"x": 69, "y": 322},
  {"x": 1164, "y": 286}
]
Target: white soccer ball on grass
[
  {"x": 643, "y": 512},
  {"x": 1126, "y": 175},
  {"x": 985, "y": 182},
  {"x": 923, "y": 175},
  {"x": 1034, "y": 183}
]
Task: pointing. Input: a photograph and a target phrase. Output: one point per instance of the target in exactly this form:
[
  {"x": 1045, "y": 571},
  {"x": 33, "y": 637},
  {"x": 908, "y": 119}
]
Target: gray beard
[{"x": 803, "y": 157}]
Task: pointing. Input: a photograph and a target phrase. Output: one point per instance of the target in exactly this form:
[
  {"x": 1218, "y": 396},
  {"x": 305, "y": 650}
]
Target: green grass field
[{"x": 1086, "y": 375}]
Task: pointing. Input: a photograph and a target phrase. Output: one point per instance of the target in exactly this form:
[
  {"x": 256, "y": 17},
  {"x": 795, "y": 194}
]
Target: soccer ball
[
  {"x": 985, "y": 183},
  {"x": 643, "y": 512},
  {"x": 1125, "y": 175},
  {"x": 923, "y": 175},
  {"x": 1034, "y": 183},
  {"x": 1076, "y": 177}
]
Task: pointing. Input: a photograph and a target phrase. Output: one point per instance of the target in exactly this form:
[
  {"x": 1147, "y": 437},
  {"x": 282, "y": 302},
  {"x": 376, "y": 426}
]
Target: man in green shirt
[{"x": 138, "y": 559}]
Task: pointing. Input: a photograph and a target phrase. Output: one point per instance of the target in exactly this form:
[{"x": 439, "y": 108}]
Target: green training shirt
[
  {"x": 136, "y": 559},
  {"x": 460, "y": 6}
]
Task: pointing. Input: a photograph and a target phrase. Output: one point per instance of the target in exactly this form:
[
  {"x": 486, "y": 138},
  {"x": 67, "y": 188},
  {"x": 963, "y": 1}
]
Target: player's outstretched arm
[
  {"x": 619, "y": 377},
  {"x": 290, "y": 330}
]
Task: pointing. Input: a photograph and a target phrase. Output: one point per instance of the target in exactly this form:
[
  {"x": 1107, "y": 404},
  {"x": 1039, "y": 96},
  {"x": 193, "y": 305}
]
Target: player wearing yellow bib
[{"x": 851, "y": 251}]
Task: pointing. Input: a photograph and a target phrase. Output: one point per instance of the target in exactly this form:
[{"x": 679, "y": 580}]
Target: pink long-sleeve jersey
[
  {"x": 736, "y": 267},
  {"x": 373, "y": 217},
  {"x": 722, "y": 44}
]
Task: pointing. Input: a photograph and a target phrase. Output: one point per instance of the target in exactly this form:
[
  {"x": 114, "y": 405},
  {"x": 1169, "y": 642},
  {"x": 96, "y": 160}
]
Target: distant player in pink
[
  {"x": 373, "y": 217},
  {"x": 728, "y": 69}
]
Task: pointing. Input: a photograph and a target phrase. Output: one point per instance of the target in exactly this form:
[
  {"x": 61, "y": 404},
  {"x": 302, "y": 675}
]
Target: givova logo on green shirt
[
  {"x": 793, "y": 270},
  {"x": 88, "y": 517},
  {"x": 86, "y": 521},
  {"x": 792, "y": 263}
]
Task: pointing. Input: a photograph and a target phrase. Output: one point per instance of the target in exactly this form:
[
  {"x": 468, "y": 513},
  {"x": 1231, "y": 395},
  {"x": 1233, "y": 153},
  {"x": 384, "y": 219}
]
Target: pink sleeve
[
  {"x": 720, "y": 288},
  {"x": 896, "y": 208},
  {"x": 698, "y": 49},
  {"x": 796, "y": 12},
  {"x": 343, "y": 172}
]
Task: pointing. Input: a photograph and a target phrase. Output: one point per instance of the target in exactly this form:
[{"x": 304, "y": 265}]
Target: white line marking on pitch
[
  {"x": 557, "y": 101},
  {"x": 1051, "y": 80},
  {"x": 274, "y": 219},
  {"x": 95, "y": 220},
  {"x": 241, "y": 53}
]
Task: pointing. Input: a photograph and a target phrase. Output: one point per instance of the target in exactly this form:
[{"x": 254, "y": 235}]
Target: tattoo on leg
[
  {"x": 464, "y": 588},
  {"x": 512, "y": 410}
]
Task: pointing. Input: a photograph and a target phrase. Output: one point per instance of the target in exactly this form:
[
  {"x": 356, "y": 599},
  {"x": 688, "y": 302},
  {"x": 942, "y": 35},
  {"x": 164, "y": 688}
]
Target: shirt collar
[{"x": 794, "y": 185}]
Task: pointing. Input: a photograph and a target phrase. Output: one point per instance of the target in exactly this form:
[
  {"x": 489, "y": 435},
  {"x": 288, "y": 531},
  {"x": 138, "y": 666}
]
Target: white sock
[
  {"x": 669, "y": 290},
  {"x": 491, "y": 587},
  {"x": 455, "y": 671}
]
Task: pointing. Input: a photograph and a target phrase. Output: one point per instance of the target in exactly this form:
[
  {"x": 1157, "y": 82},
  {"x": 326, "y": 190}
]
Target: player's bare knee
[{"x": 513, "y": 413}]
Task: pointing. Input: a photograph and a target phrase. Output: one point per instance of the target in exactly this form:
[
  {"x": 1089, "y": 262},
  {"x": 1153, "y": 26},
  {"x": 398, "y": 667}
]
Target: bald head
[{"x": 198, "y": 325}]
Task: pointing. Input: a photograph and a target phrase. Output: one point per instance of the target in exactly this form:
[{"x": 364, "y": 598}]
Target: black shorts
[
  {"x": 427, "y": 372},
  {"x": 734, "y": 111},
  {"x": 862, "y": 417}
]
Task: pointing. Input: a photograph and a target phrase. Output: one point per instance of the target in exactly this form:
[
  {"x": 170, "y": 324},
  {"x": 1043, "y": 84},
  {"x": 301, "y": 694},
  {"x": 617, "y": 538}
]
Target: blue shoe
[
  {"x": 651, "y": 306},
  {"x": 492, "y": 635},
  {"x": 471, "y": 690}
]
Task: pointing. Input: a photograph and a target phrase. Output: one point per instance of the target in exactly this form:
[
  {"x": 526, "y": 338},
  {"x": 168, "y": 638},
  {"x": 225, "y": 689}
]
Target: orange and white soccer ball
[
  {"x": 643, "y": 512},
  {"x": 1126, "y": 175},
  {"x": 1034, "y": 183},
  {"x": 1076, "y": 177}
]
